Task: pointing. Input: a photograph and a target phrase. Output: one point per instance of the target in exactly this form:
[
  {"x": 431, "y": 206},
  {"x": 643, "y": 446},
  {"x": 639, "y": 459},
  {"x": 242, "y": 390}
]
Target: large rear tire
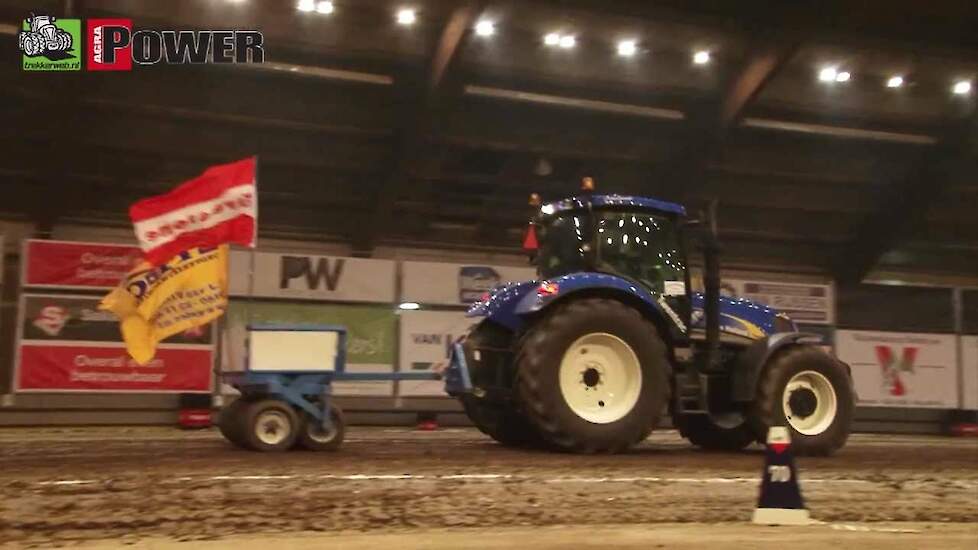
[
  {"x": 811, "y": 393},
  {"x": 593, "y": 376},
  {"x": 505, "y": 425},
  {"x": 705, "y": 432}
]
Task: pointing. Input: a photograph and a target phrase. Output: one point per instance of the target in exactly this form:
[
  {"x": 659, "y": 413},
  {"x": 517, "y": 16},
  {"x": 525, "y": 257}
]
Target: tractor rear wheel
[
  {"x": 505, "y": 425},
  {"x": 713, "y": 435},
  {"x": 593, "y": 376},
  {"x": 810, "y": 392}
]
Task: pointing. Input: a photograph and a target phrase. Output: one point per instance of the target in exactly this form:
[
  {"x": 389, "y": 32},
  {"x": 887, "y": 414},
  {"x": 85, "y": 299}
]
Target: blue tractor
[{"x": 610, "y": 337}]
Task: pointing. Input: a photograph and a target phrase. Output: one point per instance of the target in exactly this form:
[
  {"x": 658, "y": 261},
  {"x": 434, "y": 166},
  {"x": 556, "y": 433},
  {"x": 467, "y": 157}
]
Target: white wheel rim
[
  {"x": 272, "y": 427},
  {"x": 600, "y": 378},
  {"x": 802, "y": 415}
]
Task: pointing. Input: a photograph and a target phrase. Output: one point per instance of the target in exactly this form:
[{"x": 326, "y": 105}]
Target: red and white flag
[{"x": 218, "y": 206}]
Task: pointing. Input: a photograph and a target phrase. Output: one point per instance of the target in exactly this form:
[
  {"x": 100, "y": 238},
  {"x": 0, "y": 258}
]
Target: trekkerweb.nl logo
[
  {"x": 893, "y": 367},
  {"x": 50, "y": 44}
]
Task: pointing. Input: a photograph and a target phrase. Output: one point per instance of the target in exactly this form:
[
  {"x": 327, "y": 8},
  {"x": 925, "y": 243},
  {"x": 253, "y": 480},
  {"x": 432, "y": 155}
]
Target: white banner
[
  {"x": 435, "y": 283},
  {"x": 311, "y": 277},
  {"x": 892, "y": 369},
  {"x": 425, "y": 340},
  {"x": 803, "y": 302},
  {"x": 969, "y": 362}
]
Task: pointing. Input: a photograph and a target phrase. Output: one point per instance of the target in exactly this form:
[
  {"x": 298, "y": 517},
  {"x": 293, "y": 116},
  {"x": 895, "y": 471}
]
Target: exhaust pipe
[{"x": 711, "y": 286}]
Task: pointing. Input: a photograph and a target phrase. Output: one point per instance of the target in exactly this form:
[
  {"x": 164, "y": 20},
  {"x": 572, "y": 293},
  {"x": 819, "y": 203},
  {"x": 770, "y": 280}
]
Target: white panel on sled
[{"x": 287, "y": 350}]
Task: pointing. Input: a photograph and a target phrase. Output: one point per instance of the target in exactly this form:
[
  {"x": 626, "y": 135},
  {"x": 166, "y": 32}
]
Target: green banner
[{"x": 370, "y": 328}]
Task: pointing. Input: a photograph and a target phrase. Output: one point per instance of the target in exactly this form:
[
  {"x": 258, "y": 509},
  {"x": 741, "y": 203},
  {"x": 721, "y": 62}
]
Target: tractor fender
[
  {"x": 750, "y": 362},
  {"x": 652, "y": 306}
]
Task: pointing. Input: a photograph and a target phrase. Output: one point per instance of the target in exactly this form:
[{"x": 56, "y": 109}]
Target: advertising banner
[
  {"x": 969, "y": 362},
  {"x": 426, "y": 337},
  {"x": 804, "y": 303},
  {"x": 75, "y": 265},
  {"x": 892, "y": 369},
  {"x": 311, "y": 277},
  {"x": 370, "y": 336},
  {"x": 66, "y": 344},
  {"x": 437, "y": 283}
]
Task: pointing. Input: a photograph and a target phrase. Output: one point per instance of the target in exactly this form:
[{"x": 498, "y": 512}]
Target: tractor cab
[{"x": 634, "y": 238}]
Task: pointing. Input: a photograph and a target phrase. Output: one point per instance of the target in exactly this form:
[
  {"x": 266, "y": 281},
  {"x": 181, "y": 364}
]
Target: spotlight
[
  {"x": 485, "y": 28},
  {"x": 701, "y": 57},
  {"x": 551, "y": 39},
  {"x": 894, "y": 82},
  {"x": 828, "y": 74},
  {"x": 567, "y": 41},
  {"x": 409, "y": 306},
  {"x": 406, "y": 17},
  {"x": 842, "y": 76},
  {"x": 962, "y": 87},
  {"x": 626, "y": 48},
  {"x": 325, "y": 7},
  {"x": 306, "y": 5}
]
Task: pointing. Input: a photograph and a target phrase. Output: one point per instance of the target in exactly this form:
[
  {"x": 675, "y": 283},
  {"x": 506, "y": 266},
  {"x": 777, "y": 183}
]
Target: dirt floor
[{"x": 154, "y": 486}]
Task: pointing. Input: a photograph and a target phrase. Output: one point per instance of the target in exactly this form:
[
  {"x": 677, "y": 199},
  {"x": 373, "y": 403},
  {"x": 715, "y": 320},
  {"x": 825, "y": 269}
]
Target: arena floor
[{"x": 454, "y": 488}]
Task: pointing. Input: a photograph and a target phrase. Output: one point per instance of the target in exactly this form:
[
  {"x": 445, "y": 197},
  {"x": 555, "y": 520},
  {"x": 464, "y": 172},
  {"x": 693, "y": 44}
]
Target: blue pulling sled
[{"x": 286, "y": 387}]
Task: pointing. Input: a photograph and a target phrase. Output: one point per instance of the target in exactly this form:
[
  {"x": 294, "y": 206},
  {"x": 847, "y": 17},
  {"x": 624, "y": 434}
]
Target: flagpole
[{"x": 251, "y": 259}]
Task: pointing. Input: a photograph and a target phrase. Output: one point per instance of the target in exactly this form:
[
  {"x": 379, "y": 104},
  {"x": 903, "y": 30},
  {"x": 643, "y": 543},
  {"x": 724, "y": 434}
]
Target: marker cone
[{"x": 780, "y": 501}]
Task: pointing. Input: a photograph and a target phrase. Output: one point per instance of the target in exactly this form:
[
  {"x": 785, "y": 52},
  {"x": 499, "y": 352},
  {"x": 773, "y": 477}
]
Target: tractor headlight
[{"x": 783, "y": 323}]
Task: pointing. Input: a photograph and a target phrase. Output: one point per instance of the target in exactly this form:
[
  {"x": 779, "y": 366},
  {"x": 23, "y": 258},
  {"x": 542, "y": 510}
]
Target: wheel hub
[
  {"x": 272, "y": 427},
  {"x": 802, "y": 402},
  {"x": 591, "y": 377}
]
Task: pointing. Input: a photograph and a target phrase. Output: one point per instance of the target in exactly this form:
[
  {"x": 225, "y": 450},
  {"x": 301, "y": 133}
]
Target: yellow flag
[{"x": 153, "y": 304}]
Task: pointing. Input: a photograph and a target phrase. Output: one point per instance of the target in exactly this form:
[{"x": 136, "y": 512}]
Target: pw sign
[{"x": 114, "y": 46}]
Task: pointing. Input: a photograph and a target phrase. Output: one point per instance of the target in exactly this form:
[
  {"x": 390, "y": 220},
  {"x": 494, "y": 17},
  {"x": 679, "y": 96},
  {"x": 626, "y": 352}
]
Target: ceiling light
[
  {"x": 827, "y": 74},
  {"x": 567, "y": 41},
  {"x": 551, "y": 39},
  {"x": 843, "y": 76},
  {"x": 406, "y": 17},
  {"x": 485, "y": 28},
  {"x": 306, "y": 5},
  {"x": 626, "y": 48},
  {"x": 701, "y": 57},
  {"x": 894, "y": 82},
  {"x": 962, "y": 87},
  {"x": 325, "y": 7},
  {"x": 409, "y": 305}
]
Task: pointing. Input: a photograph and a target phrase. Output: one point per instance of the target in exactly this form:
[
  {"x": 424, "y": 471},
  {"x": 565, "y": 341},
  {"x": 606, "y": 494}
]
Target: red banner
[
  {"x": 104, "y": 368},
  {"x": 76, "y": 265},
  {"x": 217, "y": 207}
]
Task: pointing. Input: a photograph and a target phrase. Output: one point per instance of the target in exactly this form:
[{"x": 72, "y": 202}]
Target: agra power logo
[
  {"x": 893, "y": 367},
  {"x": 50, "y": 44}
]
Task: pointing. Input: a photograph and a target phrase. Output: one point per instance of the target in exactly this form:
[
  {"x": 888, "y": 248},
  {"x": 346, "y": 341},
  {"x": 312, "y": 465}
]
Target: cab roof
[{"x": 598, "y": 201}]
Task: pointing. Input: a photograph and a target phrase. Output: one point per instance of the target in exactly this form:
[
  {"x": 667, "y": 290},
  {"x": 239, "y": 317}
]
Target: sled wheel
[
  {"x": 271, "y": 425},
  {"x": 593, "y": 376},
  {"x": 810, "y": 392},
  {"x": 231, "y": 422},
  {"x": 715, "y": 434},
  {"x": 314, "y": 438}
]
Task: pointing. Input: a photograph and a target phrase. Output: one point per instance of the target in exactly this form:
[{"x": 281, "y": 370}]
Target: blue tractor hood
[
  {"x": 742, "y": 317},
  {"x": 507, "y": 304}
]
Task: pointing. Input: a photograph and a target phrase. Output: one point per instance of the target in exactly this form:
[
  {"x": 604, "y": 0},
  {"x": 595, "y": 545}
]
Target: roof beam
[
  {"x": 420, "y": 120},
  {"x": 904, "y": 208}
]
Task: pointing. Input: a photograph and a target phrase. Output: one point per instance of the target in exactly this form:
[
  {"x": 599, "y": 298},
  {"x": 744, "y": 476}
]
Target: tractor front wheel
[
  {"x": 593, "y": 376},
  {"x": 505, "y": 425},
  {"x": 811, "y": 393}
]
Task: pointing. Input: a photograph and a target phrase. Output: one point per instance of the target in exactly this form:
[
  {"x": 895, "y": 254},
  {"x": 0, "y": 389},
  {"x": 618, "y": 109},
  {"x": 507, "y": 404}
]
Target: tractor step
[{"x": 690, "y": 393}]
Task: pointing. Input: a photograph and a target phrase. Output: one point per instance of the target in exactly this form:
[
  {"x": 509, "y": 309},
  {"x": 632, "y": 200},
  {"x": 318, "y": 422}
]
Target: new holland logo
[{"x": 892, "y": 368}]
